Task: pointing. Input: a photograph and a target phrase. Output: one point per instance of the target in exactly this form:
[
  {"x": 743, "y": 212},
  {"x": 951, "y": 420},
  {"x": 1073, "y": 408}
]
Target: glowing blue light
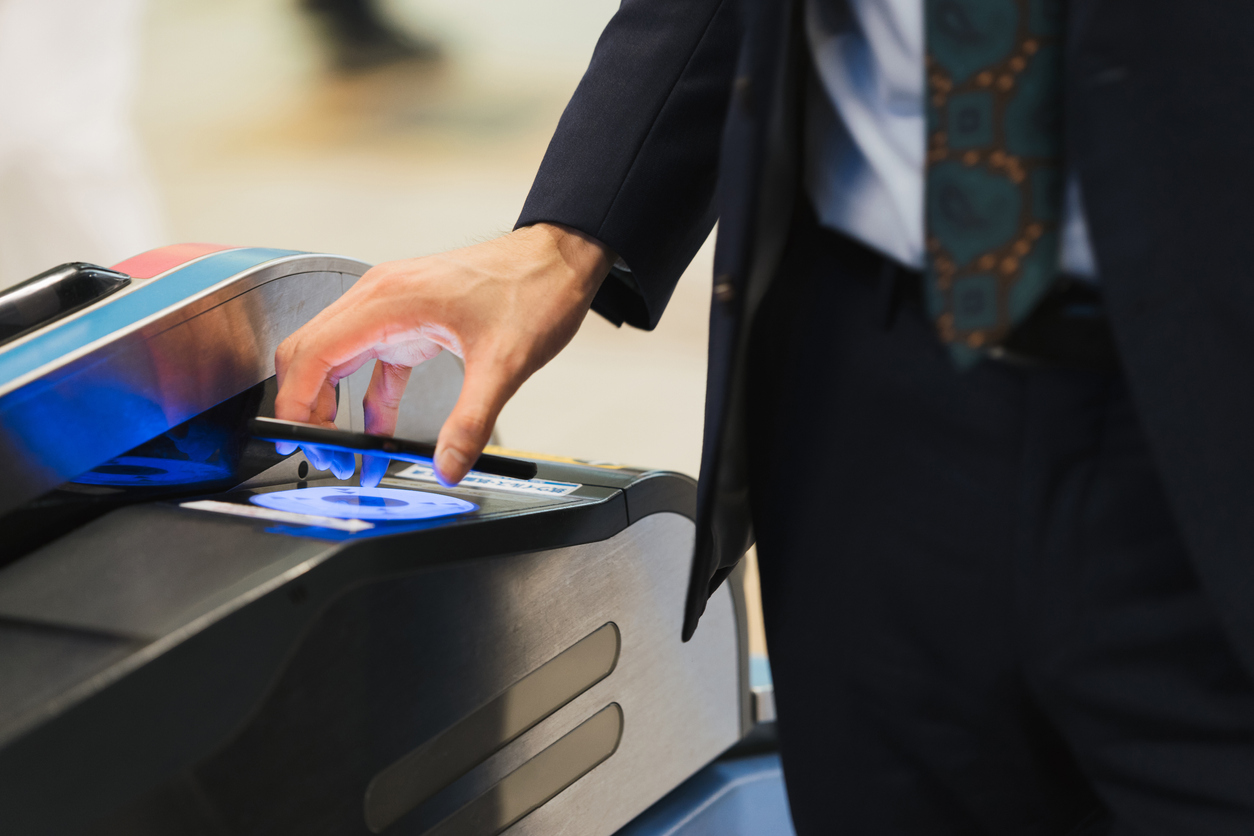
[
  {"x": 142, "y": 471},
  {"x": 353, "y": 503}
]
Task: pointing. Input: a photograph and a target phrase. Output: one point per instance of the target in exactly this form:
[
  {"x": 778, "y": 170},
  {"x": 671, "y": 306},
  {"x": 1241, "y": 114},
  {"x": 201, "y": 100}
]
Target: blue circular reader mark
[
  {"x": 368, "y": 501},
  {"x": 354, "y": 503}
]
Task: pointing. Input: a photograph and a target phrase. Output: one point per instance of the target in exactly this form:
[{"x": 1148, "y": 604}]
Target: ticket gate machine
[{"x": 181, "y": 655}]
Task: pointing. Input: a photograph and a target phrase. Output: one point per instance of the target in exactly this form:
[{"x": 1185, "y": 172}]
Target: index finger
[{"x": 322, "y": 353}]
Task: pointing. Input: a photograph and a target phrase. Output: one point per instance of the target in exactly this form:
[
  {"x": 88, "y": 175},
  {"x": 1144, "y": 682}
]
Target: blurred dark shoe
[{"x": 360, "y": 39}]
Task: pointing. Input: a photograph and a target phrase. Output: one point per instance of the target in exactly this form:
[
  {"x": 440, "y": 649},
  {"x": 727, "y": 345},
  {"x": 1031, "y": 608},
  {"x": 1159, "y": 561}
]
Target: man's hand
[{"x": 506, "y": 307}]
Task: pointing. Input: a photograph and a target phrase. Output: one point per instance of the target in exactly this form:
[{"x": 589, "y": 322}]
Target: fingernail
[
  {"x": 285, "y": 448},
  {"x": 373, "y": 469},
  {"x": 316, "y": 457},
  {"x": 341, "y": 468},
  {"x": 448, "y": 461}
]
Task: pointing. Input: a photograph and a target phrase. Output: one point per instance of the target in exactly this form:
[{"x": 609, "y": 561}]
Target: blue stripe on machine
[{"x": 125, "y": 310}]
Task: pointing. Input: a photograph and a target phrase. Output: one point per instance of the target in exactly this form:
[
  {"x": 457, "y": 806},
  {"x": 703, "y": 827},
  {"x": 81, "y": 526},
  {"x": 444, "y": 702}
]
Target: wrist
[{"x": 587, "y": 258}]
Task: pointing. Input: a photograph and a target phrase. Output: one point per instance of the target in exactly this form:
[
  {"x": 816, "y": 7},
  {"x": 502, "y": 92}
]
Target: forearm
[{"x": 634, "y": 160}]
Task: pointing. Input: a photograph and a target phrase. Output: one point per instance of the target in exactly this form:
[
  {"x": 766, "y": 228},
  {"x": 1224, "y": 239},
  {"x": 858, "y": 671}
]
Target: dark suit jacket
[{"x": 689, "y": 112}]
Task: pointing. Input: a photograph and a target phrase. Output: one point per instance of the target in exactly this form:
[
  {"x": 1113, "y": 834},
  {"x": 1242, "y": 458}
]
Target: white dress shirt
[{"x": 867, "y": 132}]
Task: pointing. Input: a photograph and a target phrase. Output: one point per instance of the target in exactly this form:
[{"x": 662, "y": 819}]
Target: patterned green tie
[{"x": 994, "y": 165}]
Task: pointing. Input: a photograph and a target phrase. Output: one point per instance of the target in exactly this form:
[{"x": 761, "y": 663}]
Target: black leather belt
[{"x": 1067, "y": 330}]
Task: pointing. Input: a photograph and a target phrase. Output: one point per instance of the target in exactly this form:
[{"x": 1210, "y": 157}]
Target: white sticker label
[
  {"x": 257, "y": 512},
  {"x": 486, "y": 481}
]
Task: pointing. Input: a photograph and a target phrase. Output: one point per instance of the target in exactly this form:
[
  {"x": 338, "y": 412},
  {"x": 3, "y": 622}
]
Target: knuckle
[
  {"x": 390, "y": 286},
  {"x": 384, "y": 278},
  {"x": 380, "y": 401},
  {"x": 474, "y": 426},
  {"x": 284, "y": 405},
  {"x": 516, "y": 366}
]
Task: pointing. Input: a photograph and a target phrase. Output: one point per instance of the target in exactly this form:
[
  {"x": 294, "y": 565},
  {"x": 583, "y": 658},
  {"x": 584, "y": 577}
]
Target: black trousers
[{"x": 981, "y": 617}]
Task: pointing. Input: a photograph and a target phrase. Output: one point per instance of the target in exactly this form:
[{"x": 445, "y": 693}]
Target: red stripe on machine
[{"x": 163, "y": 259}]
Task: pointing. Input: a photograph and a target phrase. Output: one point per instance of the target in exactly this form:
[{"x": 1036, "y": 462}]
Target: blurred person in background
[
  {"x": 362, "y": 38},
  {"x": 979, "y": 381},
  {"x": 73, "y": 183}
]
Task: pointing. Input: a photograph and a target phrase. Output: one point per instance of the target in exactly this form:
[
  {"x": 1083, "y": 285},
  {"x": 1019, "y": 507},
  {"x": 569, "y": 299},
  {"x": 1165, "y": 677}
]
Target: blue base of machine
[{"x": 740, "y": 797}]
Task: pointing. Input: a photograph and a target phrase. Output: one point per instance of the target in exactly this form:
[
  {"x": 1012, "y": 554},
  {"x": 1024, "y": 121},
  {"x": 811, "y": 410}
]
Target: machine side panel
[
  {"x": 236, "y": 619},
  {"x": 394, "y": 664},
  {"x": 681, "y": 701},
  {"x": 40, "y": 663}
]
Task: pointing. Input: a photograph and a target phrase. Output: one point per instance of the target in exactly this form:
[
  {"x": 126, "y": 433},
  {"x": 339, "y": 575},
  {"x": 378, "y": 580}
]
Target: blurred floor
[{"x": 253, "y": 140}]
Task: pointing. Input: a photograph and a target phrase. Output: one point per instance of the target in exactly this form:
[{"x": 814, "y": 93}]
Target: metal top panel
[
  {"x": 66, "y": 339},
  {"x": 96, "y": 384}
]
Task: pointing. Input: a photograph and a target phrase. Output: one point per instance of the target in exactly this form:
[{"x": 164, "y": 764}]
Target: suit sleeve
[{"x": 634, "y": 160}]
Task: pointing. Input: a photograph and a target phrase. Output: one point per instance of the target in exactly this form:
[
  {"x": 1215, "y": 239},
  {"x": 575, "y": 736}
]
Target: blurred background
[{"x": 378, "y": 129}]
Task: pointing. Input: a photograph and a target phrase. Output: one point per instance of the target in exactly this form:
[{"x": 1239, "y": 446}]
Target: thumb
[{"x": 466, "y": 430}]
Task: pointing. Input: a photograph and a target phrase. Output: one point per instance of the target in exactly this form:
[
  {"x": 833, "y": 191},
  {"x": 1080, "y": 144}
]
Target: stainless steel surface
[
  {"x": 429, "y": 398},
  {"x": 536, "y": 782},
  {"x": 344, "y": 272},
  {"x": 156, "y": 373},
  {"x": 681, "y": 702},
  {"x": 438, "y": 762},
  {"x": 764, "y": 703},
  {"x": 97, "y": 402}
]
